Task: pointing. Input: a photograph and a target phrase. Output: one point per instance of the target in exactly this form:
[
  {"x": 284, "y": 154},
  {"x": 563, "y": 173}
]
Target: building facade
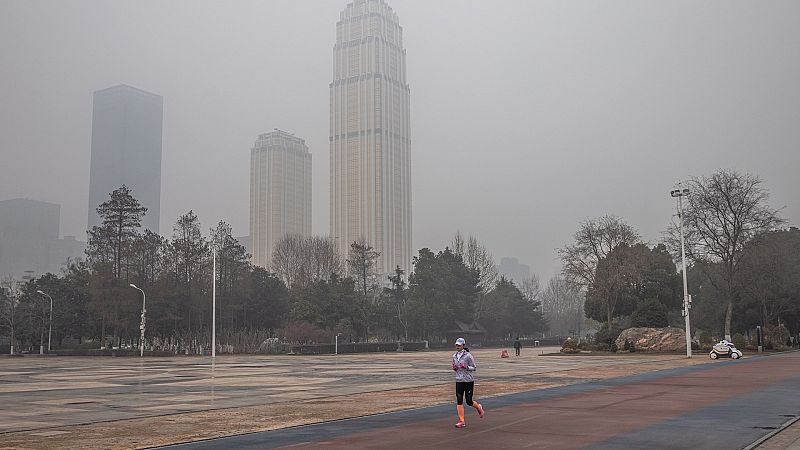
[
  {"x": 126, "y": 149},
  {"x": 29, "y": 243},
  {"x": 280, "y": 192},
  {"x": 370, "y": 135},
  {"x": 512, "y": 269}
]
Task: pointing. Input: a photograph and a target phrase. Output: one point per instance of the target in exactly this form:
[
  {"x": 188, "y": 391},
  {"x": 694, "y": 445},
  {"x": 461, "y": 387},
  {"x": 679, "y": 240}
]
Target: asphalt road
[{"x": 725, "y": 405}]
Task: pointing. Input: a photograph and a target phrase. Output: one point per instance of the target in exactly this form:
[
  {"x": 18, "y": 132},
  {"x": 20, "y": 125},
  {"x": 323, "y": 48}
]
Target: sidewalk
[{"x": 785, "y": 439}]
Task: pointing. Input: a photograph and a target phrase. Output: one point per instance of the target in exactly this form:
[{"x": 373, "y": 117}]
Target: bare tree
[
  {"x": 361, "y": 265},
  {"x": 724, "y": 212},
  {"x": 476, "y": 257},
  {"x": 287, "y": 260},
  {"x": 770, "y": 273},
  {"x": 233, "y": 268},
  {"x": 9, "y": 308},
  {"x": 594, "y": 240},
  {"x": 562, "y": 305},
  {"x": 300, "y": 260},
  {"x": 531, "y": 288},
  {"x": 325, "y": 259},
  {"x": 614, "y": 277}
]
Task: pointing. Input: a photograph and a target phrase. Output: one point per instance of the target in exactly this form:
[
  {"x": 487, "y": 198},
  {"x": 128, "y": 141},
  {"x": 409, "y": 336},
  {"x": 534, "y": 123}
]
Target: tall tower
[
  {"x": 370, "y": 135},
  {"x": 280, "y": 191},
  {"x": 126, "y": 149}
]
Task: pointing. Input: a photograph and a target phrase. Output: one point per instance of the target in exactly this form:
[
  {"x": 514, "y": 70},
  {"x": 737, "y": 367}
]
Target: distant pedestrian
[
  {"x": 517, "y": 345},
  {"x": 464, "y": 366}
]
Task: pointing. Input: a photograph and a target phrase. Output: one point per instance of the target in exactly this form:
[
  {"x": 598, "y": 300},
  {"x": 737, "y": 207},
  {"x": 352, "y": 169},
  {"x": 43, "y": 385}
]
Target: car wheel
[
  {"x": 713, "y": 355},
  {"x": 734, "y": 355}
]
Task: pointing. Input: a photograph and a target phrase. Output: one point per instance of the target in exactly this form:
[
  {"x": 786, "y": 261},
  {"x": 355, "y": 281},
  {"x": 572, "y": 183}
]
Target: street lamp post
[
  {"x": 214, "y": 305},
  {"x": 141, "y": 325},
  {"x": 687, "y": 300},
  {"x": 50, "y": 331}
]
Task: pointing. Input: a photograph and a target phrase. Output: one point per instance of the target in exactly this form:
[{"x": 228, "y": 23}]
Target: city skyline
[{"x": 529, "y": 117}]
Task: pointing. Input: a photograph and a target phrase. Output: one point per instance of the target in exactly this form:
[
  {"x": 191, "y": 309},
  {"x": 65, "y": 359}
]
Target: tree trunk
[
  {"x": 728, "y": 315},
  {"x": 103, "y": 328}
]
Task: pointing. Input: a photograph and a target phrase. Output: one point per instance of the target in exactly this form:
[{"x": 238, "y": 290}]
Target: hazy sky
[{"x": 527, "y": 116}]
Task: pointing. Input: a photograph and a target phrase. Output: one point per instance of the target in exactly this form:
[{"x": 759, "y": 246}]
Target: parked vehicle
[{"x": 725, "y": 349}]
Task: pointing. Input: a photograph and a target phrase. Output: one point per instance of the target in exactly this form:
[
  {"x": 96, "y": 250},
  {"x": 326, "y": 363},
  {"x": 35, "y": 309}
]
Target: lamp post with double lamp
[
  {"x": 141, "y": 325},
  {"x": 50, "y": 331},
  {"x": 687, "y": 300}
]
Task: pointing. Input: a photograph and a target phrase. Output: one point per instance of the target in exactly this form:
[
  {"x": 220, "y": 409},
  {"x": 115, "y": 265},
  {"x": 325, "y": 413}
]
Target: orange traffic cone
[{"x": 504, "y": 354}]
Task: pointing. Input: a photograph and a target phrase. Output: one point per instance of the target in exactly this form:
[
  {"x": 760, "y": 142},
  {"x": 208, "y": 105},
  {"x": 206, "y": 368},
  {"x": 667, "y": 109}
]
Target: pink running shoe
[
  {"x": 460, "y": 424},
  {"x": 480, "y": 411}
]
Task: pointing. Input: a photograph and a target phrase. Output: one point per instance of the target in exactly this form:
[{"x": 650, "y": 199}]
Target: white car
[{"x": 725, "y": 349}]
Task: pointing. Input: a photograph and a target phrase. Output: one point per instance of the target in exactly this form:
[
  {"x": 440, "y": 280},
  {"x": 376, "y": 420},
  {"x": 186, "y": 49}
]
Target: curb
[{"x": 770, "y": 435}]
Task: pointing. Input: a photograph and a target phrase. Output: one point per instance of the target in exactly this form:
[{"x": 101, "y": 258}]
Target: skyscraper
[
  {"x": 370, "y": 134},
  {"x": 28, "y": 230},
  {"x": 280, "y": 191},
  {"x": 126, "y": 149}
]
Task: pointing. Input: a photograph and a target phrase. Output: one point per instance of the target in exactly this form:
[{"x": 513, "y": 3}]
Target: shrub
[
  {"x": 601, "y": 347},
  {"x": 604, "y": 335},
  {"x": 570, "y": 346},
  {"x": 705, "y": 338},
  {"x": 738, "y": 340},
  {"x": 775, "y": 336}
]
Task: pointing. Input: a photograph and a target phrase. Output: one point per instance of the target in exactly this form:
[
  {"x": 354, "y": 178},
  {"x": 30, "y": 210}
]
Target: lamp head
[
  {"x": 679, "y": 192},
  {"x": 133, "y": 286},
  {"x": 40, "y": 292}
]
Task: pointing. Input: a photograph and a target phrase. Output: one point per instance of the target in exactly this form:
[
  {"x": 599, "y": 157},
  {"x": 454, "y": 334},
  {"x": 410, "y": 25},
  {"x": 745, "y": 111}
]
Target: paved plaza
[
  {"x": 42, "y": 392},
  {"x": 728, "y": 405},
  {"x": 59, "y": 402}
]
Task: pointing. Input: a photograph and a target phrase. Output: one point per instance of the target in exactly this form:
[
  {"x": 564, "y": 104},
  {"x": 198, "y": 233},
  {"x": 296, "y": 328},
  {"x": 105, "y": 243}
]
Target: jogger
[{"x": 464, "y": 366}]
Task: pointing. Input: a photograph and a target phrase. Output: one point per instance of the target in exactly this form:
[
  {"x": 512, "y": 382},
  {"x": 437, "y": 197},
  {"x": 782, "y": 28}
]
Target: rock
[{"x": 653, "y": 339}]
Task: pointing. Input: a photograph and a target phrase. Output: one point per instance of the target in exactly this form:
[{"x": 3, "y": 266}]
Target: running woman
[{"x": 464, "y": 365}]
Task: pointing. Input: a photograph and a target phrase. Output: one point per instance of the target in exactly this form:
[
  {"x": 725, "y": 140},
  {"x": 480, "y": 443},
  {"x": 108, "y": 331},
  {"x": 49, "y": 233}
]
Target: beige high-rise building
[
  {"x": 280, "y": 191},
  {"x": 370, "y": 135}
]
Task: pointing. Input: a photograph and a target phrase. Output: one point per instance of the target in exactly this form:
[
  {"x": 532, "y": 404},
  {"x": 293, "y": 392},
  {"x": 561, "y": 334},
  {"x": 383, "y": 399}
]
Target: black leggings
[{"x": 464, "y": 387}]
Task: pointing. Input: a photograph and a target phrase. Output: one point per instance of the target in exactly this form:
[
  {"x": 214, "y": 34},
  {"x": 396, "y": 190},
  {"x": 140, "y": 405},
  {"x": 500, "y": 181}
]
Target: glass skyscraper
[{"x": 126, "y": 149}]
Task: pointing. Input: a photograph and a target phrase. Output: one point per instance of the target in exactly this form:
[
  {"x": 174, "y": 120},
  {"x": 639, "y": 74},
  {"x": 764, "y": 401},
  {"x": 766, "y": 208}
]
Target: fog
[{"x": 527, "y": 117}]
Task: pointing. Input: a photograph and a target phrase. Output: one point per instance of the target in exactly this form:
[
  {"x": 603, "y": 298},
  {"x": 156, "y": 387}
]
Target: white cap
[{"x": 460, "y": 341}]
